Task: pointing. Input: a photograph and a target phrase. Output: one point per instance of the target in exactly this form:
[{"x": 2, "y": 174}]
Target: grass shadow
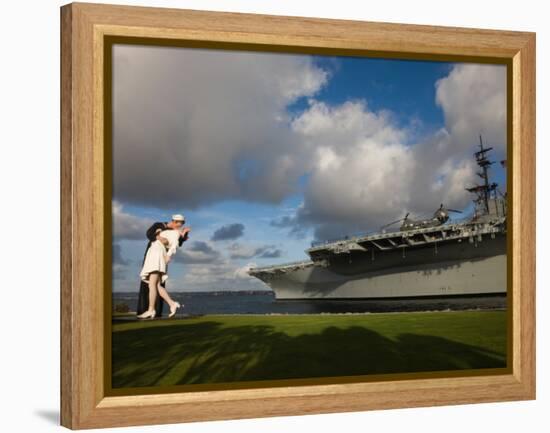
[{"x": 208, "y": 352}]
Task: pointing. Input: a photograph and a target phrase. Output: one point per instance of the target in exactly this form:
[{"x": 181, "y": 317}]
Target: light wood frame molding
[{"x": 83, "y": 29}]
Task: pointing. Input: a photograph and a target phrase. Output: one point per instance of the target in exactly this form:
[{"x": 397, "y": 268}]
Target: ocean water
[{"x": 264, "y": 302}]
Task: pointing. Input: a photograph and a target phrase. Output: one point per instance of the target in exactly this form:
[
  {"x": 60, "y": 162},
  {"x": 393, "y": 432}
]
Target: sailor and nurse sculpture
[{"x": 164, "y": 240}]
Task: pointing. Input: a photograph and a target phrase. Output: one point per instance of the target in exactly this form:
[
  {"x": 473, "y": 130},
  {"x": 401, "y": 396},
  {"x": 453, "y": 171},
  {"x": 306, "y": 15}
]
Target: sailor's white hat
[{"x": 178, "y": 217}]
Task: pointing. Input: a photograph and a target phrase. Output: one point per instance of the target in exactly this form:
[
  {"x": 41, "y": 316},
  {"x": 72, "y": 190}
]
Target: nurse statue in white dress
[{"x": 154, "y": 273}]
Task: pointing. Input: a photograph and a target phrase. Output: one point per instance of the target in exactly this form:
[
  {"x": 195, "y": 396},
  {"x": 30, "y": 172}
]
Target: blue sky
[
  {"x": 405, "y": 87},
  {"x": 279, "y": 149}
]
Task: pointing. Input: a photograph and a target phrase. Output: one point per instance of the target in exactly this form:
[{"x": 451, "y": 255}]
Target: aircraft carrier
[{"x": 431, "y": 257}]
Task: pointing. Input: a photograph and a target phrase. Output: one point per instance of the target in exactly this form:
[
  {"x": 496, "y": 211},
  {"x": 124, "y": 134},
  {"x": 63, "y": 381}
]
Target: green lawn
[{"x": 218, "y": 348}]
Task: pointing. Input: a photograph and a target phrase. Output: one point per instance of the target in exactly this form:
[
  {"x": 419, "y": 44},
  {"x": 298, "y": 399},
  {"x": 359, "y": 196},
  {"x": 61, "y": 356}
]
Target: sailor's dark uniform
[{"x": 143, "y": 298}]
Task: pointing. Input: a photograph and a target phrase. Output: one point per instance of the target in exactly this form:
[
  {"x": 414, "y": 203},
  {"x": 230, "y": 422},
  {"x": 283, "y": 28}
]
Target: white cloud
[
  {"x": 220, "y": 276},
  {"x": 128, "y": 226},
  {"x": 119, "y": 271},
  {"x": 242, "y": 272},
  {"x": 360, "y": 168},
  {"x": 363, "y": 173},
  {"x": 249, "y": 250},
  {"x": 473, "y": 99}
]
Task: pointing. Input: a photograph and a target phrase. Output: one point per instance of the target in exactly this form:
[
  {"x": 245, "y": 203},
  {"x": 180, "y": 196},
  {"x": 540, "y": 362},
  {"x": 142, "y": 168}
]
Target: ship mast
[{"x": 483, "y": 192}]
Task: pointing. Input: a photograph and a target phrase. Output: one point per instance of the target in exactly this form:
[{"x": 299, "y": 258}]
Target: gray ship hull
[{"x": 450, "y": 269}]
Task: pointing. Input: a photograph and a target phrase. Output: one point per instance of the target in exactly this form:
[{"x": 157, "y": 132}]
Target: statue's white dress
[{"x": 155, "y": 259}]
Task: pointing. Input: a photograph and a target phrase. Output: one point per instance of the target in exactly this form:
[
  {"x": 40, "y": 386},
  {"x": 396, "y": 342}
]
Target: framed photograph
[{"x": 268, "y": 215}]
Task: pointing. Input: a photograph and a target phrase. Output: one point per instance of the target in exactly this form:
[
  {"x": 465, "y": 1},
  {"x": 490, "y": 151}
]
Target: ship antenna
[
  {"x": 483, "y": 191},
  {"x": 485, "y": 175}
]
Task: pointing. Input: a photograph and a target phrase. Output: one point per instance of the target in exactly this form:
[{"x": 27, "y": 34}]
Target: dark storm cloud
[
  {"x": 227, "y": 232},
  {"x": 195, "y": 126},
  {"x": 198, "y": 252},
  {"x": 296, "y": 228}
]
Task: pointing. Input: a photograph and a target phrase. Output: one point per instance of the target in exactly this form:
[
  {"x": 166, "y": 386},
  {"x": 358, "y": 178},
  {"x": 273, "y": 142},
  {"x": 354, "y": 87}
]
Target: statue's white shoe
[
  {"x": 147, "y": 315},
  {"x": 173, "y": 310}
]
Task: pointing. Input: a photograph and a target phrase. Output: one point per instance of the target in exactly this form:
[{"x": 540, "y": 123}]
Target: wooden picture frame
[{"x": 85, "y": 218}]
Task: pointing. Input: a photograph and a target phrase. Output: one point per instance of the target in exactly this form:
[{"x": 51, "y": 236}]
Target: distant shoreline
[{"x": 192, "y": 316}]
